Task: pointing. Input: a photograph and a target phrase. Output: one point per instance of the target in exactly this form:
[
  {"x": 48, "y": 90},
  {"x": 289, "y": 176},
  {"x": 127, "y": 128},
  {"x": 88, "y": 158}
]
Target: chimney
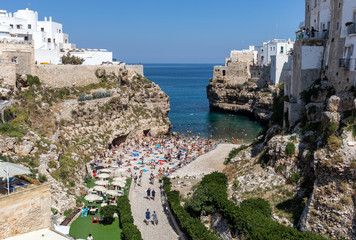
[
  {"x": 45, "y": 19},
  {"x": 26, "y": 9},
  {"x": 50, "y": 18},
  {"x": 10, "y": 14}
]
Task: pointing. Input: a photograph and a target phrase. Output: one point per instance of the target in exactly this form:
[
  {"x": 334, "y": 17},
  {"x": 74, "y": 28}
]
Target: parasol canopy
[
  {"x": 119, "y": 183},
  {"x": 99, "y": 188},
  {"x": 103, "y": 175},
  {"x": 113, "y": 193},
  {"x": 102, "y": 182},
  {"x": 11, "y": 169},
  {"x": 92, "y": 197},
  {"x": 105, "y": 170}
]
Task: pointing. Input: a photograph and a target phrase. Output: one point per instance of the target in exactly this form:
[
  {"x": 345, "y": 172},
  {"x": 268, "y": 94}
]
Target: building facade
[{"x": 50, "y": 43}]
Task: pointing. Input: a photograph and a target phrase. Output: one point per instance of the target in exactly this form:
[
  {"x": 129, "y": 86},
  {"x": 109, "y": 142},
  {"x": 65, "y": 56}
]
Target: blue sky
[{"x": 172, "y": 31}]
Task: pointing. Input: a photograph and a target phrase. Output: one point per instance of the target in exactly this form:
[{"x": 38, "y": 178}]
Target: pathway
[
  {"x": 139, "y": 205},
  {"x": 207, "y": 163}
]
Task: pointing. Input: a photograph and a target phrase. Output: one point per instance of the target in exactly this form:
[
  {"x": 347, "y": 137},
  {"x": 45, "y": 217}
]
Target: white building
[
  {"x": 276, "y": 54},
  {"x": 273, "y": 48},
  {"x": 50, "y": 42}
]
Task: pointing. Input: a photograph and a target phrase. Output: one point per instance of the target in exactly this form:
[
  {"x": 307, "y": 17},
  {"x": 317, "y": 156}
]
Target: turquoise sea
[{"x": 185, "y": 85}]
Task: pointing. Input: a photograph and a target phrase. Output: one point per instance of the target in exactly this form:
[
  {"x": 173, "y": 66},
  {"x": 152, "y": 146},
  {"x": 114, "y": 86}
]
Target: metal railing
[
  {"x": 351, "y": 29},
  {"x": 322, "y": 35},
  {"x": 344, "y": 63}
]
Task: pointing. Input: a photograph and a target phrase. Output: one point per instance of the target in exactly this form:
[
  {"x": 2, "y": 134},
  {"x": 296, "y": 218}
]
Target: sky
[{"x": 169, "y": 31}]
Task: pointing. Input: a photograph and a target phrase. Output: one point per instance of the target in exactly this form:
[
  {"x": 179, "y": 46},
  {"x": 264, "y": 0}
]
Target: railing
[
  {"x": 322, "y": 35},
  {"x": 345, "y": 63},
  {"x": 351, "y": 29}
]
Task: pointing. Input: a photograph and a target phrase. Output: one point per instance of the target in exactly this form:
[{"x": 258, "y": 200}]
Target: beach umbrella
[
  {"x": 120, "y": 179},
  {"x": 100, "y": 188},
  {"x": 10, "y": 170},
  {"x": 92, "y": 197},
  {"x": 105, "y": 170},
  {"x": 119, "y": 183},
  {"x": 103, "y": 175},
  {"x": 101, "y": 182},
  {"x": 119, "y": 172},
  {"x": 113, "y": 193}
]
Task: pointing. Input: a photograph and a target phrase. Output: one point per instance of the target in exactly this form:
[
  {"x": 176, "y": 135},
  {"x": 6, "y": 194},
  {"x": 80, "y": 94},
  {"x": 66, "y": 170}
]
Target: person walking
[
  {"x": 90, "y": 237},
  {"x": 149, "y": 193},
  {"x": 148, "y": 216},
  {"x": 154, "y": 218},
  {"x": 153, "y": 193}
]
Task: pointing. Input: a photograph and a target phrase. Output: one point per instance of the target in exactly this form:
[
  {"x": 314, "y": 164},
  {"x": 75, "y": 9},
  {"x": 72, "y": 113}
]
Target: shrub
[
  {"x": 130, "y": 232},
  {"x": 294, "y": 177},
  {"x": 108, "y": 212},
  {"x": 264, "y": 158},
  {"x": 234, "y": 152},
  {"x": 12, "y": 130},
  {"x": 252, "y": 219},
  {"x": 68, "y": 212},
  {"x": 334, "y": 143},
  {"x": 290, "y": 149},
  {"x": 71, "y": 60},
  {"x": 191, "y": 226},
  {"x": 42, "y": 178},
  {"x": 33, "y": 80}
]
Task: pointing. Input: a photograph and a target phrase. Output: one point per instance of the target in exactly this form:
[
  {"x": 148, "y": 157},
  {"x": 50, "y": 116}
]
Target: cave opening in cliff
[
  {"x": 146, "y": 132},
  {"x": 118, "y": 140}
]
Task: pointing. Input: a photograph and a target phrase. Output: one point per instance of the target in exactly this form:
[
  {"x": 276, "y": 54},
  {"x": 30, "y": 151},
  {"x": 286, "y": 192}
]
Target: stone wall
[
  {"x": 260, "y": 75},
  {"x": 20, "y": 53},
  {"x": 234, "y": 73},
  {"x": 8, "y": 73},
  {"x": 25, "y": 211},
  {"x": 59, "y": 76}
]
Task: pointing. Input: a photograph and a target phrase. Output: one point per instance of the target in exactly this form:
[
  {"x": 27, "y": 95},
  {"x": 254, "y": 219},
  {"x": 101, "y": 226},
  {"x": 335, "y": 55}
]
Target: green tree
[
  {"x": 71, "y": 60},
  {"x": 108, "y": 212}
]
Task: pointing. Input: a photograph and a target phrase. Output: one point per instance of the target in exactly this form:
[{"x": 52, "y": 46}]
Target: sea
[{"x": 185, "y": 85}]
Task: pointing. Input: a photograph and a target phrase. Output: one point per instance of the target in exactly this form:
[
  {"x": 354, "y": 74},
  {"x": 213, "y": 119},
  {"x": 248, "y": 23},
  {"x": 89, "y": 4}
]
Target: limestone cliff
[
  {"x": 307, "y": 172},
  {"x": 248, "y": 98},
  {"x": 56, "y": 132}
]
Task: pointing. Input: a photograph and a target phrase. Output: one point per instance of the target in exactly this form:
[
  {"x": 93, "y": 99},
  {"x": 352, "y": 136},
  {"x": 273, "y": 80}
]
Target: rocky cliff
[
  {"x": 247, "y": 99},
  {"x": 307, "y": 172},
  {"x": 56, "y": 132}
]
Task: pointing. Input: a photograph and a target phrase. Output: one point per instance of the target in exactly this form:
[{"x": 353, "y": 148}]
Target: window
[
  {"x": 282, "y": 49},
  {"x": 14, "y": 59},
  {"x": 49, "y": 40},
  {"x": 66, "y": 41},
  {"x": 315, "y": 3},
  {"x": 18, "y": 26},
  {"x": 11, "y": 25},
  {"x": 60, "y": 31},
  {"x": 29, "y": 26},
  {"x": 54, "y": 40},
  {"x": 42, "y": 29},
  {"x": 26, "y": 38},
  {"x": 337, "y": 25}
]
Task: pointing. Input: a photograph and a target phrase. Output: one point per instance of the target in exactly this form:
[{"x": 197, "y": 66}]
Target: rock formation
[
  {"x": 56, "y": 132},
  {"x": 249, "y": 98}
]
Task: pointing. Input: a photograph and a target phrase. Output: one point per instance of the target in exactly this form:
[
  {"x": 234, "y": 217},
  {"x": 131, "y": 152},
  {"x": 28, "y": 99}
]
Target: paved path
[
  {"x": 207, "y": 163},
  {"x": 139, "y": 205}
]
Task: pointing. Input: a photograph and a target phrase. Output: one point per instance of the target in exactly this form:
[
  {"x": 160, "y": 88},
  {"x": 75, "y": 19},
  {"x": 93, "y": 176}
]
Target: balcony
[
  {"x": 345, "y": 63},
  {"x": 322, "y": 35},
  {"x": 351, "y": 29}
]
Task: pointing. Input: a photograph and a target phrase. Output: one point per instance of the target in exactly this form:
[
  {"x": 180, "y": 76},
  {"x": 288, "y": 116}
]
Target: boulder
[{"x": 24, "y": 148}]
